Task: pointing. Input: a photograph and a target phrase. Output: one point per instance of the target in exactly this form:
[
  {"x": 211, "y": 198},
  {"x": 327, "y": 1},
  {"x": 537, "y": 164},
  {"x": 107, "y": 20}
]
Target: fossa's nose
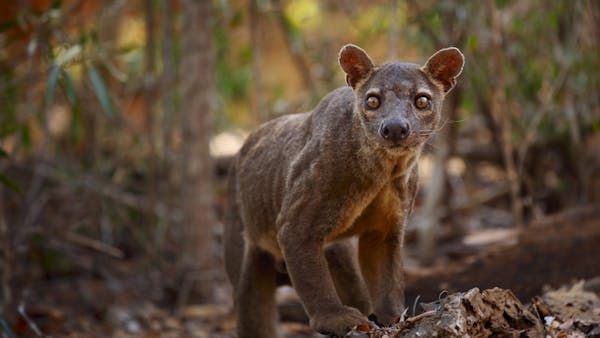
[{"x": 395, "y": 130}]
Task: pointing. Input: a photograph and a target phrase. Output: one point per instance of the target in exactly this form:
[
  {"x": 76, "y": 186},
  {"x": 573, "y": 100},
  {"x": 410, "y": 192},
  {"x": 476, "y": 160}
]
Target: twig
[
  {"x": 544, "y": 98},
  {"x": 423, "y": 24},
  {"x": 481, "y": 197},
  {"x": 150, "y": 88},
  {"x": 414, "y": 308},
  {"x": 421, "y": 316},
  {"x": 109, "y": 190},
  {"x": 29, "y": 321},
  {"x": 5, "y": 260},
  {"x": 190, "y": 278},
  {"x": 75, "y": 6},
  {"x": 184, "y": 293},
  {"x": 295, "y": 51},
  {"x": 32, "y": 197},
  {"x": 432, "y": 209},
  {"x": 500, "y": 113},
  {"x": 33, "y": 210},
  {"x": 393, "y": 30},
  {"x": 259, "y": 106},
  {"x": 168, "y": 79},
  {"x": 94, "y": 244}
]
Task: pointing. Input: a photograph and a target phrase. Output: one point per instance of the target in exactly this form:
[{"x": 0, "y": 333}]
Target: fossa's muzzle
[{"x": 394, "y": 130}]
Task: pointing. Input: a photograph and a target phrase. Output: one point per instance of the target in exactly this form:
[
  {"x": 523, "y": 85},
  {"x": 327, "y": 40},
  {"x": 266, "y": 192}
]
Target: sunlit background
[{"x": 92, "y": 118}]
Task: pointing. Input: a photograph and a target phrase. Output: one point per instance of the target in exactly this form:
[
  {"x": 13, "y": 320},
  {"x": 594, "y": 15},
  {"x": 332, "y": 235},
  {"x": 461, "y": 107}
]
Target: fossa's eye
[
  {"x": 372, "y": 102},
  {"x": 422, "y": 102}
]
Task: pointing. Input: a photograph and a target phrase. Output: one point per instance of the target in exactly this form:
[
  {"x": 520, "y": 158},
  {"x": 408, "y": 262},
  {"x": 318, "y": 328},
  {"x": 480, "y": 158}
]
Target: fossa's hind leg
[
  {"x": 255, "y": 295},
  {"x": 233, "y": 239}
]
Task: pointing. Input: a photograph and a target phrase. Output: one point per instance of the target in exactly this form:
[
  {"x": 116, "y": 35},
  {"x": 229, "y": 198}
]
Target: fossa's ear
[
  {"x": 356, "y": 64},
  {"x": 445, "y": 66}
]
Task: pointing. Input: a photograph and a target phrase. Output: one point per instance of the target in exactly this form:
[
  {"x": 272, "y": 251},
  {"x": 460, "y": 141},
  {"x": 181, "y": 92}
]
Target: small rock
[{"x": 548, "y": 320}]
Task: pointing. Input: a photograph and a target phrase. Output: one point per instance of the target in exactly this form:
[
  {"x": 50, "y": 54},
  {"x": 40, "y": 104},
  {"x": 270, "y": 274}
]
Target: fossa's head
[{"x": 400, "y": 103}]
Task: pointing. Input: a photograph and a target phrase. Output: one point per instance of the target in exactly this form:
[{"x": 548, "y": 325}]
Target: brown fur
[{"x": 303, "y": 186}]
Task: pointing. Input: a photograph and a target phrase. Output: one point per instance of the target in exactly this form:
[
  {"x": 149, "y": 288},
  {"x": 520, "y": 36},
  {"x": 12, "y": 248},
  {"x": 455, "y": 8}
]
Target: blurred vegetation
[{"x": 82, "y": 145}]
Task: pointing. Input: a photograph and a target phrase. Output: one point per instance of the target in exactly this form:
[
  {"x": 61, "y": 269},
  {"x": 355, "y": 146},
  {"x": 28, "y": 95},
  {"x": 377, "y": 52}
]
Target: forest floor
[
  {"x": 570, "y": 311},
  {"x": 548, "y": 275}
]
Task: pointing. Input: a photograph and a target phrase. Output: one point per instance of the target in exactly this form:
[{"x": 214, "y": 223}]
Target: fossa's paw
[
  {"x": 385, "y": 318},
  {"x": 338, "y": 322}
]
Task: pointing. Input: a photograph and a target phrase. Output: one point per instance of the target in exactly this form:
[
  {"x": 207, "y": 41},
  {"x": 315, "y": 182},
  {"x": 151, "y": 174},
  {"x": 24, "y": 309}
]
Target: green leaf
[
  {"x": 51, "y": 86},
  {"x": 56, "y": 4},
  {"x": 6, "y": 25},
  {"x": 68, "y": 87},
  {"x": 472, "y": 42},
  {"x": 101, "y": 91},
  {"x": 25, "y": 135},
  {"x": 10, "y": 184},
  {"x": 3, "y": 153},
  {"x": 237, "y": 19},
  {"x": 83, "y": 38},
  {"x": 9, "y": 97}
]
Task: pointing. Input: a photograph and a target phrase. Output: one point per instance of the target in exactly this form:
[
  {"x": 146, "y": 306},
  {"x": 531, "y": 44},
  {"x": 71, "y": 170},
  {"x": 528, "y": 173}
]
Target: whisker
[
  {"x": 429, "y": 132},
  {"x": 431, "y": 146}
]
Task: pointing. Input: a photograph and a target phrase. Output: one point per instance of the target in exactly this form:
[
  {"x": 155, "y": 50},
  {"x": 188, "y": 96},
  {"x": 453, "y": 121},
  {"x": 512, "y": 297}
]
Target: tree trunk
[
  {"x": 198, "y": 258},
  {"x": 259, "y": 106},
  {"x": 438, "y": 192},
  {"x": 500, "y": 113},
  {"x": 5, "y": 260},
  {"x": 168, "y": 80},
  {"x": 150, "y": 98},
  {"x": 393, "y": 31}
]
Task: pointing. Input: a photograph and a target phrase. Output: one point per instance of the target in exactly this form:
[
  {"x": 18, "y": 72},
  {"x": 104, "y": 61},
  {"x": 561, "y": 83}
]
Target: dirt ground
[
  {"x": 548, "y": 278},
  {"x": 570, "y": 311}
]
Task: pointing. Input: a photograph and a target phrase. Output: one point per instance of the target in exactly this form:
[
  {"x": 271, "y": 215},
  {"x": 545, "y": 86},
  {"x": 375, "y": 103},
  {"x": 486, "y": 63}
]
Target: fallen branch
[
  {"x": 29, "y": 321},
  {"x": 94, "y": 244},
  {"x": 551, "y": 251},
  {"x": 489, "y": 313},
  {"x": 420, "y": 316},
  {"x": 482, "y": 196}
]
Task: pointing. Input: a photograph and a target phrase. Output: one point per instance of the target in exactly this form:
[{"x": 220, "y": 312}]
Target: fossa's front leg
[
  {"x": 380, "y": 258},
  {"x": 380, "y": 251},
  {"x": 342, "y": 258},
  {"x": 307, "y": 267},
  {"x": 303, "y": 226}
]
